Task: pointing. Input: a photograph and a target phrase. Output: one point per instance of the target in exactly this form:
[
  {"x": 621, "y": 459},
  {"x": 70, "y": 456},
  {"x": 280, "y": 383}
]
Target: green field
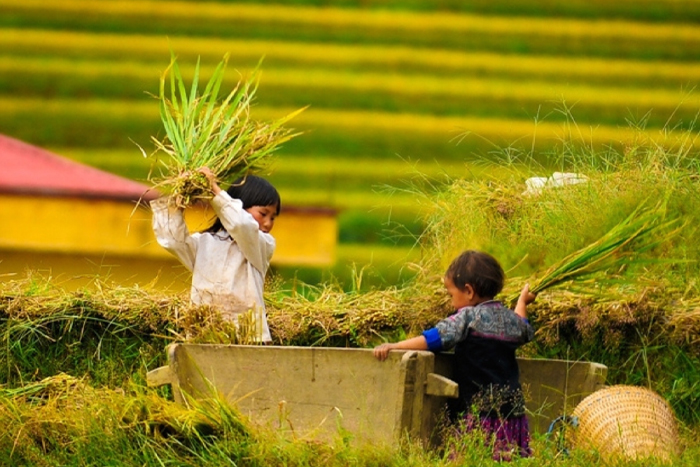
[
  {"x": 393, "y": 88},
  {"x": 406, "y": 100}
]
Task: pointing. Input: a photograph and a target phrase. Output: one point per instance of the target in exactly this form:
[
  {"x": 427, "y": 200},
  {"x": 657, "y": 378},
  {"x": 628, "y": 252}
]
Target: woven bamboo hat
[{"x": 626, "y": 422}]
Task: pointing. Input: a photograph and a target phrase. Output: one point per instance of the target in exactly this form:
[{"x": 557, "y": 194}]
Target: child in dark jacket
[{"x": 484, "y": 335}]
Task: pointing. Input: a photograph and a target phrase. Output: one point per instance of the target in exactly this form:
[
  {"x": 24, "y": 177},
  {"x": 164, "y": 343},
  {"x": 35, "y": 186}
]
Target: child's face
[
  {"x": 265, "y": 215},
  {"x": 461, "y": 298}
]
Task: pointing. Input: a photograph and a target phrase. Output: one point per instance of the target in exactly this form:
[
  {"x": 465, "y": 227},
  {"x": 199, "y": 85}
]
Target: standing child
[
  {"x": 484, "y": 335},
  {"x": 228, "y": 260}
]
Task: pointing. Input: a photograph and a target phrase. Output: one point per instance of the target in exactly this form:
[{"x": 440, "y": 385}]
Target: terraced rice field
[{"x": 390, "y": 85}]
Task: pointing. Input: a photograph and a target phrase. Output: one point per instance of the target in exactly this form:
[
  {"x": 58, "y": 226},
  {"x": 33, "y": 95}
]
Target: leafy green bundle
[
  {"x": 644, "y": 229},
  {"x": 204, "y": 130}
]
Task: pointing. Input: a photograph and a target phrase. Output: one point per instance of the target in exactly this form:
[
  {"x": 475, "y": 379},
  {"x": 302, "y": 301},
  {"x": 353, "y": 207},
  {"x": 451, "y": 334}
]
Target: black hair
[
  {"x": 478, "y": 269},
  {"x": 252, "y": 191}
]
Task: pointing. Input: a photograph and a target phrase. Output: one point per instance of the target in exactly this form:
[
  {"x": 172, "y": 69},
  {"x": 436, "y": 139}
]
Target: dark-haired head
[
  {"x": 480, "y": 270},
  {"x": 252, "y": 191}
]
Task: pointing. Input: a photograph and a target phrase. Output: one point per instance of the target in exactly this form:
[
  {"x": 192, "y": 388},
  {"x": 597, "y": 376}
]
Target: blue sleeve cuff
[{"x": 432, "y": 336}]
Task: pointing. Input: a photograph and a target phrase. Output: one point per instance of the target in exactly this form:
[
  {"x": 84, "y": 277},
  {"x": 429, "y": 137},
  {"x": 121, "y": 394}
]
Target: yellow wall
[
  {"x": 71, "y": 271},
  {"x": 108, "y": 236},
  {"x": 304, "y": 236},
  {"x": 70, "y": 225}
]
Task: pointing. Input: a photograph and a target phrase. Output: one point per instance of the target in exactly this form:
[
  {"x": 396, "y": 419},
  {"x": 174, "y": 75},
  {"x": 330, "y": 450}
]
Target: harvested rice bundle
[
  {"x": 203, "y": 130},
  {"x": 643, "y": 230}
]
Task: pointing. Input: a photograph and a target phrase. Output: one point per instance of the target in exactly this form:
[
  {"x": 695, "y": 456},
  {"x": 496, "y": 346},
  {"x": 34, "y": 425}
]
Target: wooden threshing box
[{"x": 313, "y": 391}]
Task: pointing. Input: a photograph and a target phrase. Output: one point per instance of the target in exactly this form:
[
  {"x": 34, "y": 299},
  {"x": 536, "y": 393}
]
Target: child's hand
[
  {"x": 206, "y": 171},
  {"x": 526, "y": 296},
  {"x": 381, "y": 352}
]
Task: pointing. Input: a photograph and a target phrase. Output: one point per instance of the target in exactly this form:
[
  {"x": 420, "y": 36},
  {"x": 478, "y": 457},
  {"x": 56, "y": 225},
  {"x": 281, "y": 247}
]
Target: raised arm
[
  {"x": 256, "y": 246},
  {"x": 172, "y": 233},
  {"x": 526, "y": 297}
]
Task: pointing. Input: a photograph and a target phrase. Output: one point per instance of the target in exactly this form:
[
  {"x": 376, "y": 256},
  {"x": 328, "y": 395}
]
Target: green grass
[
  {"x": 359, "y": 266},
  {"x": 77, "y": 425}
]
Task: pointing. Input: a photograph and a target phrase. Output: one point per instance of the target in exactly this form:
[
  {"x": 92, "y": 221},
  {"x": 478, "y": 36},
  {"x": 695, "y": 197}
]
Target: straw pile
[
  {"x": 330, "y": 316},
  {"x": 35, "y": 301},
  {"x": 58, "y": 410}
]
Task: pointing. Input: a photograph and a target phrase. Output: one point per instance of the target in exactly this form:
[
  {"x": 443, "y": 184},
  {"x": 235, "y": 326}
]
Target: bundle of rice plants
[
  {"x": 644, "y": 229},
  {"x": 205, "y": 131}
]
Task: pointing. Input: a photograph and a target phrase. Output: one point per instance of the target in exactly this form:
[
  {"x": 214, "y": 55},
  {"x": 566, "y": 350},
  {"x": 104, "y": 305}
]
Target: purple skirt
[{"x": 509, "y": 437}]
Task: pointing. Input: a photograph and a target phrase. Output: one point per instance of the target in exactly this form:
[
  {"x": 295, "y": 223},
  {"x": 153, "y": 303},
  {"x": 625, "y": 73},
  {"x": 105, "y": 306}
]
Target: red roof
[{"x": 27, "y": 169}]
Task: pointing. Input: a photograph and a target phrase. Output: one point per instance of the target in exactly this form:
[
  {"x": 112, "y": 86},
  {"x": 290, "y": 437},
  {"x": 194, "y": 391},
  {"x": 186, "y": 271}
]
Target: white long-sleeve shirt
[{"x": 228, "y": 267}]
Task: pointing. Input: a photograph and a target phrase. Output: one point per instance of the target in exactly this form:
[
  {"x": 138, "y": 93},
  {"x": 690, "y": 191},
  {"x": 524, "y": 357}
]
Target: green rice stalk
[
  {"x": 643, "y": 230},
  {"x": 203, "y": 130}
]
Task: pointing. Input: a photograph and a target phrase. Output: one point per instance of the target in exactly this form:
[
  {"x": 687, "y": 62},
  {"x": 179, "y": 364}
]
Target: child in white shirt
[{"x": 228, "y": 260}]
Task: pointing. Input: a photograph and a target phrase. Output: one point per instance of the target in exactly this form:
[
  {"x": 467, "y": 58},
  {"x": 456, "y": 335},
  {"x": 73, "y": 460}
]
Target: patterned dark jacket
[{"x": 484, "y": 338}]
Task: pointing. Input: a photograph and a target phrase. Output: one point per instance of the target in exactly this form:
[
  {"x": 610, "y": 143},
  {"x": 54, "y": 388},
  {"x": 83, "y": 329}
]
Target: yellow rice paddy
[
  {"x": 339, "y": 17},
  {"x": 136, "y": 47},
  {"x": 355, "y": 120}
]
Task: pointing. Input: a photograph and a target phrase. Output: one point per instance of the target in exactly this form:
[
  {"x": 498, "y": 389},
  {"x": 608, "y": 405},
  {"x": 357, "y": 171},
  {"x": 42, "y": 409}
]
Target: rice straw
[
  {"x": 643, "y": 230},
  {"x": 202, "y": 130}
]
